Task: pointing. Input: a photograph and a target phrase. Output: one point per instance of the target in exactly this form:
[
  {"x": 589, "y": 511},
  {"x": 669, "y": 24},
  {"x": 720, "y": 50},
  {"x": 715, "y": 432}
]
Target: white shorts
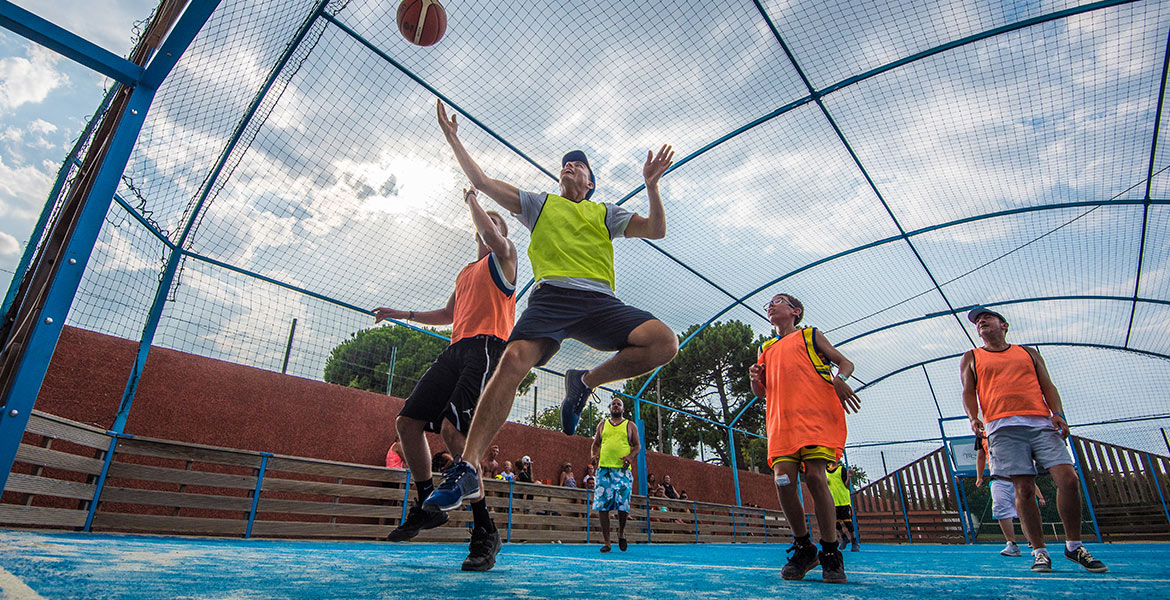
[{"x": 1003, "y": 500}]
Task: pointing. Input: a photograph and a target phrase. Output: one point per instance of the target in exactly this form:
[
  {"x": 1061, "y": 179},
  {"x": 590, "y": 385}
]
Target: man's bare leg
[
  {"x": 651, "y": 345},
  {"x": 415, "y": 448},
  {"x": 790, "y": 498},
  {"x": 818, "y": 487},
  {"x": 1068, "y": 500},
  {"x": 1027, "y": 509},
  {"x": 1008, "y": 529},
  {"x": 604, "y": 516}
]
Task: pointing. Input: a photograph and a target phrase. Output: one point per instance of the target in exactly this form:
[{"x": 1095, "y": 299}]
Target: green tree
[
  {"x": 550, "y": 418},
  {"x": 857, "y": 477},
  {"x": 708, "y": 378},
  {"x": 363, "y": 361}
]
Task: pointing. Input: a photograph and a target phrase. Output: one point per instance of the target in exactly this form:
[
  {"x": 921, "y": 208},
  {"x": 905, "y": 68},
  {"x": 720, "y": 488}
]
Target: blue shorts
[
  {"x": 599, "y": 320},
  {"x": 612, "y": 491}
]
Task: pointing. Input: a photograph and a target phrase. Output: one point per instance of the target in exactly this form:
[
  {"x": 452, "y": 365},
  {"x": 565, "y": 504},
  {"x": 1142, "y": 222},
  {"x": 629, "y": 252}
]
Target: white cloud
[
  {"x": 42, "y": 127},
  {"x": 23, "y": 189},
  {"x": 8, "y": 245},
  {"x": 29, "y": 79}
]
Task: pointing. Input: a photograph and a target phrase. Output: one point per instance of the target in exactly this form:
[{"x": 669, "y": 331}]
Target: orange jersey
[
  {"x": 803, "y": 408},
  {"x": 1007, "y": 384},
  {"x": 485, "y": 303}
]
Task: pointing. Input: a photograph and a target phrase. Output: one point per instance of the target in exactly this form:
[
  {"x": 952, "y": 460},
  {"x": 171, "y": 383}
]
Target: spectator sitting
[
  {"x": 525, "y": 474},
  {"x": 394, "y": 457},
  {"x": 651, "y": 483},
  {"x": 670, "y": 493},
  {"x": 441, "y": 461},
  {"x": 589, "y": 479},
  {"x": 566, "y": 478},
  {"x": 490, "y": 466},
  {"x": 683, "y": 495},
  {"x": 508, "y": 474}
]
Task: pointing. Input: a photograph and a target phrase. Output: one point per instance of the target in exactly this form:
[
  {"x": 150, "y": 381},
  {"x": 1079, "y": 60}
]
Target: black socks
[
  {"x": 424, "y": 487},
  {"x": 480, "y": 515},
  {"x": 828, "y": 547}
]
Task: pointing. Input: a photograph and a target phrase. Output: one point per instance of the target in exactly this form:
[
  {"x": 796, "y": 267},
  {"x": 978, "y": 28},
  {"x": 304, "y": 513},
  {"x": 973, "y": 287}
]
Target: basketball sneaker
[
  {"x": 832, "y": 566},
  {"x": 484, "y": 547},
  {"x": 1082, "y": 557},
  {"x": 576, "y": 394},
  {"x": 803, "y": 559},
  {"x": 1041, "y": 562},
  {"x": 460, "y": 482},
  {"x": 1011, "y": 549},
  {"x": 417, "y": 520}
]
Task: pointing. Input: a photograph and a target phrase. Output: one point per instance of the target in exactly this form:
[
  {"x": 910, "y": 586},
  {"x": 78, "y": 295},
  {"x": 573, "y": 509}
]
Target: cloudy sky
[{"x": 343, "y": 186}]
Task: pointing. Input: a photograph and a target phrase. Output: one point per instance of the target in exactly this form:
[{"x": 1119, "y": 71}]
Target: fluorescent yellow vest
[
  {"x": 570, "y": 239},
  {"x": 615, "y": 443},
  {"x": 838, "y": 488}
]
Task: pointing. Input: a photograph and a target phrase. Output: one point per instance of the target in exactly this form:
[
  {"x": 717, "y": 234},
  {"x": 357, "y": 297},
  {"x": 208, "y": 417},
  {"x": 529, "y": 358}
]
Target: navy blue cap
[
  {"x": 974, "y": 313},
  {"x": 579, "y": 156}
]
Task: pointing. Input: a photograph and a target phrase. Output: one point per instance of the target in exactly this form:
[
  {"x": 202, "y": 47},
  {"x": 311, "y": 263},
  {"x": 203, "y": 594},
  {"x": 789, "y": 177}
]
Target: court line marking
[
  {"x": 1022, "y": 576},
  {"x": 15, "y": 589}
]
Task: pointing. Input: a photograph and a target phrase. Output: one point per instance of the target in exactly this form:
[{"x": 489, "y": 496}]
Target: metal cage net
[{"x": 888, "y": 163}]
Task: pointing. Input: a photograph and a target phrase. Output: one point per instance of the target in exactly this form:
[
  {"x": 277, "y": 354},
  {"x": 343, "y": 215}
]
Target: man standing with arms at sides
[
  {"x": 572, "y": 261},
  {"x": 481, "y": 312},
  {"x": 1026, "y": 429},
  {"x": 615, "y": 448}
]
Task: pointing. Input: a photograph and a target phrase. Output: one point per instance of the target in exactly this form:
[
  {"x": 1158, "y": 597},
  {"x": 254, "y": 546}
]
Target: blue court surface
[{"x": 36, "y": 564}]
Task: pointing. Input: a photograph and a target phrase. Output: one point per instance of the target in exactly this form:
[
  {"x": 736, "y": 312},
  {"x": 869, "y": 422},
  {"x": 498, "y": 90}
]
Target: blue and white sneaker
[
  {"x": 460, "y": 482},
  {"x": 576, "y": 395}
]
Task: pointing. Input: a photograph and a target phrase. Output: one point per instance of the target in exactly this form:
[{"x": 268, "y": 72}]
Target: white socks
[{"x": 1072, "y": 546}]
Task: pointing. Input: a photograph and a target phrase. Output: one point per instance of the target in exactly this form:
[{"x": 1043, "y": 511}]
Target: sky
[{"x": 343, "y": 186}]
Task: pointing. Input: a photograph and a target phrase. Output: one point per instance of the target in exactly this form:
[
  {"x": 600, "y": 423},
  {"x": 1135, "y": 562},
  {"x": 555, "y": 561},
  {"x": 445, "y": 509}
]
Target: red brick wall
[{"x": 191, "y": 398}]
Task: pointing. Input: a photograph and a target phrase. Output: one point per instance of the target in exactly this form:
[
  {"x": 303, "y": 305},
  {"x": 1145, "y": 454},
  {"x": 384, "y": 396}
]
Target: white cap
[{"x": 526, "y": 459}]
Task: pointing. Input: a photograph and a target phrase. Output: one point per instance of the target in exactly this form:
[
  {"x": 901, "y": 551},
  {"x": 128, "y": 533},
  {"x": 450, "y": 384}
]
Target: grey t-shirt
[{"x": 616, "y": 220}]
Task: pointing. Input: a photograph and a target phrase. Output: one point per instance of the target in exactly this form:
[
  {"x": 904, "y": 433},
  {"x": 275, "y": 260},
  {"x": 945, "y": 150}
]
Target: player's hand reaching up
[
  {"x": 657, "y": 165},
  {"x": 450, "y": 126},
  {"x": 848, "y": 397}
]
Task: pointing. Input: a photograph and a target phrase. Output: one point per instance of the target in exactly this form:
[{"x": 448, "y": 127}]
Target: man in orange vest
[
  {"x": 806, "y": 406},
  {"x": 1024, "y": 422},
  {"x": 481, "y": 313}
]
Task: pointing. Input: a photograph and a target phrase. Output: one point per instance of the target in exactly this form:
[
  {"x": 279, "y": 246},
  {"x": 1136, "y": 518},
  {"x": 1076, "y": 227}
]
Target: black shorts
[
  {"x": 845, "y": 513},
  {"x": 450, "y": 387},
  {"x": 599, "y": 320}
]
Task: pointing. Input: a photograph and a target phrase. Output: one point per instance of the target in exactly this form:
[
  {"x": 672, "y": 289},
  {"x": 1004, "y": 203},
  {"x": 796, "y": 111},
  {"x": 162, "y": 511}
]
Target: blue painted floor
[{"x": 36, "y": 564}]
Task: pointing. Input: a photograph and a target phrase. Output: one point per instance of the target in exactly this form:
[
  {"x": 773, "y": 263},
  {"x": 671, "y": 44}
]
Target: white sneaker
[{"x": 1011, "y": 549}]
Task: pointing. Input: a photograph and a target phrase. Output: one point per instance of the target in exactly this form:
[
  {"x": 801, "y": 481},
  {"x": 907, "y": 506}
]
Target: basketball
[{"x": 422, "y": 22}]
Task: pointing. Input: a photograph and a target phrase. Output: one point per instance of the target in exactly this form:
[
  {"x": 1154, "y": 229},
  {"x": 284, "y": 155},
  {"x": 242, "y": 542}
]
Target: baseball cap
[
  {"x": 974, "y": 313},
  {"x": 579, "y": 156},
  {"x": 525, "y": 460}
]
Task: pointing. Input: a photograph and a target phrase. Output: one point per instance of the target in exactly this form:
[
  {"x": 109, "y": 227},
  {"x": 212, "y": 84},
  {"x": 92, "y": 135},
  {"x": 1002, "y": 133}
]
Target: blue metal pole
[
  {"x": 905, "y": 514},
  {"x": 511, "y": 484},
  {"x": 588, "y": 503},
  {"x": 1158, "y": 486},
  {"x": 1085, "y": 487},
  {"x": 68, "y": 44},
  {"x": 641, "y": 448},
  {"x": 734, "y": 534},
  {"x": 696, "y": 513},
  {"x": 256, "y": 493},
  {"x": 168, "y": 274},
  {"x": 26, "y": 380},
  {"x": 734, "y": 466},
  {"x": 101, "y": 483},
  {"x": 405, "y": 496}
]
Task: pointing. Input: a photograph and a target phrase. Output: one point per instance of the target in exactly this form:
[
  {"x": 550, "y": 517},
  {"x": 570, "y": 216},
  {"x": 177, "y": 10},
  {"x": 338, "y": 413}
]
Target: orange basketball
[{"x": 422, "y": 22}]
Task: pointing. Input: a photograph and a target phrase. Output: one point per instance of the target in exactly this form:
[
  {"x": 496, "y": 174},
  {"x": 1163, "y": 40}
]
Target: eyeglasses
[{"x": 774, "y": 302}]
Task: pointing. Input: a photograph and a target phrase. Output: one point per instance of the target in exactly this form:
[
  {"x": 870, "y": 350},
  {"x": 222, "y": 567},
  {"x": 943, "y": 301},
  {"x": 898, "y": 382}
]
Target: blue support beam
[
  {"x": 1085, "y": 487},
  {"x": 69, "y": 45},
  {"x": 905, "y": 513},
  {"x": 26, "y": 381},
  {"x": 1158, "y": 486},
  {"x": 264, "y": 456},
  {"x": 101, "y": 482}
]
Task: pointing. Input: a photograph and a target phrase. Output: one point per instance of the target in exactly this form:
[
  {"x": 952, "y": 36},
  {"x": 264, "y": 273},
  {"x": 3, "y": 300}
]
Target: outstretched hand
[
  {"x": 450, "y": 126},
  {"x": 848, "y": 397},
  {"x": 657, "y": 165},
  {"x": 383, "y": 313}
]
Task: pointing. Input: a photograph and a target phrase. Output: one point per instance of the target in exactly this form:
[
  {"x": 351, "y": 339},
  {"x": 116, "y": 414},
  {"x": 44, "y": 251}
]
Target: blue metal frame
[
  {"x": 905, "y": 513},
  {"x": 1085, "y": 487},
  {"x": 731, "y": 438},
  {"x": 101, "y": 481},
  {"x": 406, "y": 497},
  {"x": 511, "y": 484},
  {"x": 69, "y": 45},
  {"x": 1158, "y": 486},
  {"x": 264, "y": 456}
]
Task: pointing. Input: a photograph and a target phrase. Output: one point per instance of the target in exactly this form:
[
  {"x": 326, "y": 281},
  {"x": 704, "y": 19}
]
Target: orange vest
[
  {"x": 1007, "y": 384},
  {"x": 482, "y": 306},
  {"x": 803, "y": 408}
]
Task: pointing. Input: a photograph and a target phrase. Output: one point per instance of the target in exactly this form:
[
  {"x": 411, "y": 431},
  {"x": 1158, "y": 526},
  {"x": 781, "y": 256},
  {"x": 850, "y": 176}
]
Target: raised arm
[
  {"x": 500, "y": 245},
  {"x": 653, "y": 226},
  {"x": 848, "y": 397},
  {"x": 1051, "y": 396},
  {"x": 442, "y": 316},
  {"x": 505, "y": 194},
  {"x": 970, "y": 396}
]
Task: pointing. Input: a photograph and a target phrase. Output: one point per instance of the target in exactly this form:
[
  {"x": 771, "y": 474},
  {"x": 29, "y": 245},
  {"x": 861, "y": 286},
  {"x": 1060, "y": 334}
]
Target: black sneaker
[
  {"x": 576, "y": 394},
  {"x": 832, "y": 566},
  {"x": 1082, "y": 557},
  {"x": 484, "y": 547},
  {"x": 1041, "y": 562},
  {"x": 460, "y": 482},
  {"x": 803, "y": 559},
  {"x": 417, "y": 520}
]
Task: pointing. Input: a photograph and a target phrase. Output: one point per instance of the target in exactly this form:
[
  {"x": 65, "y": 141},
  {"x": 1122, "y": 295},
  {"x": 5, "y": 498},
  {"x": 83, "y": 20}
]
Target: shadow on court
[{"x": 37, "y": 564}]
